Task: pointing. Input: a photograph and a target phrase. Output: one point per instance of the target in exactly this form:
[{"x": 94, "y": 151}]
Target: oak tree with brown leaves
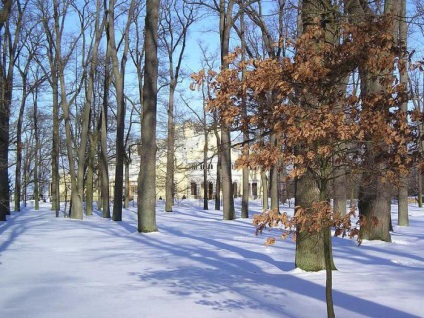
[{"x": 315, "y": 134}]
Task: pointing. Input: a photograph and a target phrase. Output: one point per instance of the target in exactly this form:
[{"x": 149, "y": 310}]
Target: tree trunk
[
  {"x": 264, "y": 183},
  {"x": 273, "y": 182},
  {"x": 374, "y": 202},
  {"x": 147, "y": 174},
  {"x": 103, "y": 165},
  {"x": 205, "y": 165},
  {"x": 374, "y": 197},
  {"x": 310, "y": 246},
  {"x": 245, "y": 150},
  {"x": 313, "y": 248},
  {"x": 37, "y": 152},
  {"x": 5, "y": 100},
  {"x": 227, "y": 184},
  {"x": 339, "y": 192},
  {"x": 218, "y": 169},
  {"x": 403, "y": 218},
  {"x": 6, "y": 84},
  {"x": 55, "y": 192},
  {"x": 127, "y": 162},
  {"x": 18, "y": 175},
  {"x": 170, "y": 155},
  {"x": 420, "y": 187},
  {"x": 104, "y": 161},
  {"x": 225, "y": 24},
  {"x": 119, "y": 83},
  {"x": 90, "y": 175}
]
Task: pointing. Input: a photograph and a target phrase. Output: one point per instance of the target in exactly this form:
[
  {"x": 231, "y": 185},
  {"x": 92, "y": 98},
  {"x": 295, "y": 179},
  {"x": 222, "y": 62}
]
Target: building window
[
  {"x": 193, "y": 187},
  {"x": 210, "y": 192}
]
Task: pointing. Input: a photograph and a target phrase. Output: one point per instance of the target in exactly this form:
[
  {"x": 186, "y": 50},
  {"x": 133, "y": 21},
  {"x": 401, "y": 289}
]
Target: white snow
[{"x": 196, "y": 266}]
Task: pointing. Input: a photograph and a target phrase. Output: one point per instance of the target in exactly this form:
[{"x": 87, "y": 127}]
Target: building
[{"x": 189, "y": 166}]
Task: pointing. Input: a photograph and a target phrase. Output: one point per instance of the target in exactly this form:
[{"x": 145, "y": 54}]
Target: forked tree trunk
[{"x": 374, "y": 197}]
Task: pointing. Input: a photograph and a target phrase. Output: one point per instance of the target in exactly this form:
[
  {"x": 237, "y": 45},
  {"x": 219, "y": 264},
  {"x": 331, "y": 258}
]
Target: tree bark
[
  {"x": 218, "y": 168},
  {"x": 273, "y": 182},
  {"x": 374, "y": 197},
  {"x": 89, "y": 186},
  {"x": 420, "y": 187},
  {"x": 264, "y": 183},
  {"x": 6, "y": 84},
  {"x": 104, "y": 161},
  {"x": 225, "y": 24},
  {"x": 403, "y": 218},
  {"x": 19, "y": 145},
  {"x": 119, "y": 83},
  {"x": 339, "y": 191},
  {"x": 310, "y": 247},
  {"x": 374, "y": 202},
  {"x": 147, "y": 174},
  {"x": 37, "y": 155}
]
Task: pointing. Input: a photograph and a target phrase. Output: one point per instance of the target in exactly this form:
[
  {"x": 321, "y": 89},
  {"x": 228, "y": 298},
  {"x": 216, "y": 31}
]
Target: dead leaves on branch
[
  {"x": 315, "y": 219},
  {"x": 303, "y": 101}
]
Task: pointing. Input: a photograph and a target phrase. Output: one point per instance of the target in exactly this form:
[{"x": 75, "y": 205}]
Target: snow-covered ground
[{"x": 196, "y": 266}]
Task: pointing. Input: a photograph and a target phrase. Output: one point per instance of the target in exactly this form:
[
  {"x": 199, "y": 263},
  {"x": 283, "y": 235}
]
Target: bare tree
[
  {"x": 176, "y": 18},
  {"x": 51, "y": 72},
  {"x": 118, "y": 70},
  {"x": 401, "y": 29},
  {"x": 24, "y": 62},
  {"x": 8, "y": 46}
]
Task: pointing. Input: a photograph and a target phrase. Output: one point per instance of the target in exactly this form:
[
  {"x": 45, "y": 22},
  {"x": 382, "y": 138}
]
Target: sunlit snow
[{"x": 196, "y": 266}]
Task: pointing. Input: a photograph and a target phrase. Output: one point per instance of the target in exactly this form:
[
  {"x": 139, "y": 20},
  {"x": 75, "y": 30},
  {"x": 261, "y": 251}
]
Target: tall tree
[
  {"x": 51, "y": 72},
  {"x": 147, "y": 176},
  {"x": 67, "y": 99},
  {"x": 87, "y": 16},
  {"x": 374, "y": 193},
  {"x": 245, "y": 172},
  {"x": 104, "y": 162},
  {"x": 176, "y": 18},
  {"x": 24, "y": 62},
  {"x": 118, "y": 70},
  {"x": 312, "y": 127},
  {"x": 400, "y": 9},
  {"x": 226, "y": 21},
  {"x": 7, "y": 56}
]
